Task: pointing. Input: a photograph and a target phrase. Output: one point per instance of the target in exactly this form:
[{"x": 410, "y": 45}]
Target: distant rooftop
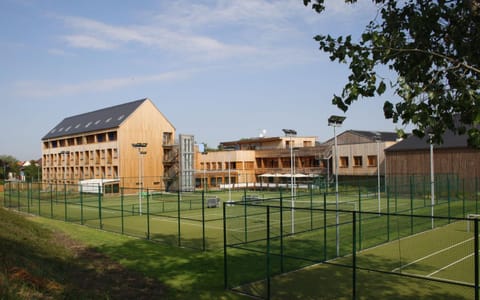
[{"x": 106, "y": 118}]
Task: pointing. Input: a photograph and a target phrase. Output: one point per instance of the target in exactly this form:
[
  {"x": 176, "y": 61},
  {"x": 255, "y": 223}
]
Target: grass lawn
[{"x": 37, "y": 261}]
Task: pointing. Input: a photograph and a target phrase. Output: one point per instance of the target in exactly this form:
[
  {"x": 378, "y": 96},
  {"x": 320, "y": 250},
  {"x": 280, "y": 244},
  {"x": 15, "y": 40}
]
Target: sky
[{"x": 221, "y": 70}]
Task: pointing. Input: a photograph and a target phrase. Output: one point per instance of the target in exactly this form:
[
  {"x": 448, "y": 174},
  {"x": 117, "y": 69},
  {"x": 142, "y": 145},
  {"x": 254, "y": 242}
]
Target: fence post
[
  {"x": 65, "y": 201},
  {"x": 225, "y": 269},
  {"x": 388, "y": 214},
  {"x": 148, "y": 214},
  {"x": 178, "y": 217},
  {"x": 354, "y": 255},
  {"x": 324, "y": 226},
  {"x": 281, "y": 231},
  {"x": 100, "y": 206},
  {"x": 463, "y": 197},
  {"x": 411, "y": 205},
  {"x": 203, "y": 220},
  {"x": 360, "y": 218},
  {"x": 476, "y": 268},
  {"x": 121, "y": 208},
  {"x": 268, "y": 252},
  {"x": 310, "y": 187},
  {"x": 81, "y": 204},
  {"x": 448, "y": 198},
  {"x": 51, "y": 203},
  {"x": 30, "y": 195},
  {"x": 476, "y": 195}
]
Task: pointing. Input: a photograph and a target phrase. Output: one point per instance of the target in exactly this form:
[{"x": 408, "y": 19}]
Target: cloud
[
  {"x": 42, "y": 89},
  {"x": 90, "y": 42}
]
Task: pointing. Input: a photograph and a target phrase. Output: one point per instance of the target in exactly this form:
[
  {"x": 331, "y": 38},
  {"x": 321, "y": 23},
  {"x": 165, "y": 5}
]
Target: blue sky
[{"x": 221, "y": 69}]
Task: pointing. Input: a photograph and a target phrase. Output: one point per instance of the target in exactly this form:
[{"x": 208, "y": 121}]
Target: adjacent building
[
  {"x": 361, "y": 153},
  {"x": 132, "y": 142},
  {"x": 267, "y": 161},
  {"x": 412, "y": 157}
]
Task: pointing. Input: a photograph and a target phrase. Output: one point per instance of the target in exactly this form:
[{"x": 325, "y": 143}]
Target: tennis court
[{"x": 390, "y": 256}]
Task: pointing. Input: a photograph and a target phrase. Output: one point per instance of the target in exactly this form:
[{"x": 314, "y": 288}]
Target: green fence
[
  {"x": 181, "y": 219},
  {"x": 340, "y": 254}
]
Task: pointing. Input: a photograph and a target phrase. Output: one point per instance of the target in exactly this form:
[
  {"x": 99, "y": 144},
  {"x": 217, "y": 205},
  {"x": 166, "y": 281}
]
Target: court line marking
[
  {"x": 451, "y": 264},
  {"x": 431, "y": 254}
]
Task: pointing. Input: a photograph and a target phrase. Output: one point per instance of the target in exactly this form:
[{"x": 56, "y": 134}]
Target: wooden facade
[
  {"x": 96, "y": 150},
  {"x": 249, "y": 159},
  {"x": 361, "y": 153}
]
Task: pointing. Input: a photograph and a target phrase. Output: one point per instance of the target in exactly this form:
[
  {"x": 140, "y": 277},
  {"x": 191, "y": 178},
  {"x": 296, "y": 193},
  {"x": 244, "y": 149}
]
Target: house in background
[
  {"x": 360, "y": 153},
  {"x": 132, "y": 142}
]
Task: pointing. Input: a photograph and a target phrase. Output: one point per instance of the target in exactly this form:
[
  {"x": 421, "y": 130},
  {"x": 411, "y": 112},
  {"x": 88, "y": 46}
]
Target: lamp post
[
  {"x": 378, "y": 139},
  {"x": 291, "y": 133},
  {"x": 432, "y": 179},
  {"x": 336, "y": 121},
  {"x": 141, "y": 152}
]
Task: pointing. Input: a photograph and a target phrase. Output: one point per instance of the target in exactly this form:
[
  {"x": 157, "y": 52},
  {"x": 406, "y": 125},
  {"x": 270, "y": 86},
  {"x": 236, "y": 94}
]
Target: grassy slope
[{"x": 33, "y": 264}]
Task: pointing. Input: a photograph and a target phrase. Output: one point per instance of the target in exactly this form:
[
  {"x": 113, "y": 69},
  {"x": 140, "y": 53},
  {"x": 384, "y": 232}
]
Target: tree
[
  {"x": 433, "y": 47},
  {"x": 8, "y": 164}
]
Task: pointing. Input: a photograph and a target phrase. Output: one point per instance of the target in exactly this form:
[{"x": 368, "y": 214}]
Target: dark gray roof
[
  {"x": 106, "y": 118},
  {"x": 412, "y": 142},
  {"x": 384, "y": 135}
]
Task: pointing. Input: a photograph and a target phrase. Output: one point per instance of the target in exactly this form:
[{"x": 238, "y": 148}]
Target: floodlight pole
[
  {"x": 140, "y": 147},
  {"x": 291, "y": 133},
  {"x": 336, "y": 121},
  {"x": 432, "y": 180}
]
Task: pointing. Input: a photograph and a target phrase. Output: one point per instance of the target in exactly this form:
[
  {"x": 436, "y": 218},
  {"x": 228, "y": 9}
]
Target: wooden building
[
  {"x": 412, "y": 157},
  {"x": 360, "y": 153},
  {"x": 254, "y": 161},
  {"x": 132, "y": 142}
]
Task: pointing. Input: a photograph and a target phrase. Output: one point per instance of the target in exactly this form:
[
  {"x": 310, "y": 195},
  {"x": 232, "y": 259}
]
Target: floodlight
[
  {"x": 335, "y": 120},
  {"x": 289, "y": 132}
]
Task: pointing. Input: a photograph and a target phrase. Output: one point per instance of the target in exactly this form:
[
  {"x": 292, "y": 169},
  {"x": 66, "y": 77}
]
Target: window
[
  {"x": 357, "y": 161},
  {"x": 343, "y": 162},
  {"x": 372, "y": 161},
  {"x": 112, "y": 136}
]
